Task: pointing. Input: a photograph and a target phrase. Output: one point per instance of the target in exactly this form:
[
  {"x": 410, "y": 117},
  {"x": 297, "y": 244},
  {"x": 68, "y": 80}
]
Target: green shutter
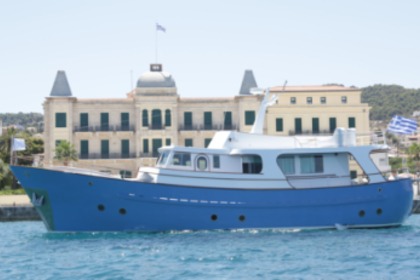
[
  {"x": 352, "y": 122},
  {"x": 249, "y": 117},
  {"x": 125, "y": 148},
  {"x": 208, "y": 123},
  {"x": 156, "y": 144},
  {"x": 188, "y": 120},
  {"x": 168, "y": 141},
  {"x": 188, "y": 142},
  {"x": 227, "y": 120},
  {"x": 156, "y": 119},
  {"x": 104, "y": 121},
  {"x": 207, "y": 142},
  {"x": 60, "y": 120},
  {"x": 168, "y": 121},
  {"x": 104, "y": 148},
  {"x": 333, "y": 124},
  {"x": 146, "y": 146},
  {"x": 298, "y": 126},
  {"x": 145, "y": 118},
  {"x": 125, "y": 121},
  {"x": 84, "y": 149},
  {"x": 315, "y": 125},
  {"x": 84, "y": 121},
  {"x": 279, "y": 124}
]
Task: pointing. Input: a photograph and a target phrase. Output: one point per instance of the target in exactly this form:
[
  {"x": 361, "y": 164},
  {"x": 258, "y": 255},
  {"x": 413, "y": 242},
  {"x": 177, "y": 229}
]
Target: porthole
[
  {"x": 213, "y": 217},
  {"x": 90, "y": 184},
  {"x": 379, "y": 189},
  {"x": 122, "y": 211},
  {"x": 241, "y": 218},
  {"x": 362, "y": 213},
  {"x": 379, "y": 211},
  {"x": 101, "y": 207}
]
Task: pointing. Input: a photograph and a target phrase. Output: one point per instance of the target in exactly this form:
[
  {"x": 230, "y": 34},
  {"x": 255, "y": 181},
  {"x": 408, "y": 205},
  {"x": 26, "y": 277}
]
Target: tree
[{"x": 65, "y": 152}]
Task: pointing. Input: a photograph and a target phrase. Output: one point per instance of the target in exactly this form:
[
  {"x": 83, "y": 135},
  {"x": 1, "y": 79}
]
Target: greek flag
[
  {"x": 400, "y": 125},
  {"x": 160, "y": 27}
]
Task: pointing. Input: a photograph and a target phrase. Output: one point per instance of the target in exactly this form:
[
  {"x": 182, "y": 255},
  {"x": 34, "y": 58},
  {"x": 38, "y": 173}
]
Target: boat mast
[{"x": 258, "y": 126}]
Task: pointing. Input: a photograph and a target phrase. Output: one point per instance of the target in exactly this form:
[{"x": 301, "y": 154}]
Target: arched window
[
  {"x": 156, "y": 119},
  {"x": 168, "y": 117},
  {"x": 145, "y": 118}
]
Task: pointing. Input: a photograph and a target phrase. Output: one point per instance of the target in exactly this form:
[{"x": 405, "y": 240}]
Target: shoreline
[{"x": 17, "y": 208}]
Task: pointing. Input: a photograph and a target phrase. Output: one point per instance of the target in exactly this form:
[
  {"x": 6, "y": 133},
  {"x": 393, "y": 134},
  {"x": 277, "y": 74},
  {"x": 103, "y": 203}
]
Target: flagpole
[
  {"x": 11, "y": 150},
  {"x": 156, "y": 44}
]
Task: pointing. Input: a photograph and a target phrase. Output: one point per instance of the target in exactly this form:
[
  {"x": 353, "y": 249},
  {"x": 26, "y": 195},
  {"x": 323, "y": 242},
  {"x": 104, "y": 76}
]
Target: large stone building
[{"x": 121, "y": 134}]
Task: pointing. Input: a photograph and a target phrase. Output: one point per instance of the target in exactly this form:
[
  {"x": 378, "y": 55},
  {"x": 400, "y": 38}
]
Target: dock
[{"x": 17, "y": 208}]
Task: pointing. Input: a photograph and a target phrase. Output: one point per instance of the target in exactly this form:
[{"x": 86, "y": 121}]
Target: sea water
[{"x": 28, "y": 251}]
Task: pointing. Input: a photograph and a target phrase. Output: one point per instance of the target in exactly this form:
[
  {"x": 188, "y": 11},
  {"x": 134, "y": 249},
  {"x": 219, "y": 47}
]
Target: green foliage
[
  {"x": 389, "y": 100},
  {"x": 24, "y": 120},
  {"x": 9, "y": 191},
  {"x": 65, "y": 152}
]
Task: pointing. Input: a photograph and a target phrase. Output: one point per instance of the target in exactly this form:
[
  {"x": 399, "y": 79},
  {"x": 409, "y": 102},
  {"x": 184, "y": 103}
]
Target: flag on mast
[
  {"x": 401, "y": 125},
  {"x": 160, "y": 28},
  {"x": 18, "y": 144}
]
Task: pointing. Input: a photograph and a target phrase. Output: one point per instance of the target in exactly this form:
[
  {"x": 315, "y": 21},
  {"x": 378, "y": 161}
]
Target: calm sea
[{"x": 27, "y": 251}]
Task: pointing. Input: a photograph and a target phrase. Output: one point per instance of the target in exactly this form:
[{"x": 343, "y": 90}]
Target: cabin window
[
  {"x": 181, "y": 159},
  {"x": 251, "y": 164},
  {"x": 286, "y": 164},
  {"x": 311, "y": 164},
  {"x": 163, "y": 158},
  {"x": 216, "y": 161},
  {"x": 202, "y": 163}
]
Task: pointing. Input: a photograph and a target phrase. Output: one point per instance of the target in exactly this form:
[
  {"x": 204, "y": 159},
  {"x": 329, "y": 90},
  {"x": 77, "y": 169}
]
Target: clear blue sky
[{"x": 207, "y": 45}]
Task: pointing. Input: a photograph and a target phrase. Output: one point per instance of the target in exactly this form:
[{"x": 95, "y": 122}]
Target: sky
[{"x": 104, "y": 46}]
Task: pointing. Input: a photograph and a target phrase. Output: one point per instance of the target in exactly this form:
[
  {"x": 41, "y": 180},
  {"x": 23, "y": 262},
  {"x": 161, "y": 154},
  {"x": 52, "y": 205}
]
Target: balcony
[
  {"x": 207, "y": 127},
  {"x": 106, "y": 156},
  {"x": 104, "y": 128}
]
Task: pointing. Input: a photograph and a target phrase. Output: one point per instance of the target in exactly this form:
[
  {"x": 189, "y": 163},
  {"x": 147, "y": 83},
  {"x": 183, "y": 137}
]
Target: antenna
[{"x": 284, "y": 85}]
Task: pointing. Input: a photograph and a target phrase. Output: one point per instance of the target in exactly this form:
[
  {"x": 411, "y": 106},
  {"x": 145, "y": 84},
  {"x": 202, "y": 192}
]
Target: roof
[
  {"x": 61, "y": 86},
  {"x": 313, "y": 88},
  {"x": 248, "y": 82},
  {"x": 155, "y": 80}
]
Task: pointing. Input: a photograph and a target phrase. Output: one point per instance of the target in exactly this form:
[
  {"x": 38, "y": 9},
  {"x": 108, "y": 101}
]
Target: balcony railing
[
  {"x": 107, "y": 156},
  {"x": 207, "y": 127},
  {"x": 104, "y": 128}
]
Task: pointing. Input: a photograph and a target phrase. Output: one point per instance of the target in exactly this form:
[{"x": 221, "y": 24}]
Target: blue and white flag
[
  {"x": 400, "y": 125},
  {"x": 160, "y": 27},
  {"x": 18, "y": 144}
]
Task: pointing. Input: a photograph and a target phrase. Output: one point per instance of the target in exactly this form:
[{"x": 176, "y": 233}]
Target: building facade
[{"x": 120, "y": 135}]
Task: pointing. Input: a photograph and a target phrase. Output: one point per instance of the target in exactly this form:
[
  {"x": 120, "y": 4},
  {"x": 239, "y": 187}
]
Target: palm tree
[{"x": 65, "y": 152}]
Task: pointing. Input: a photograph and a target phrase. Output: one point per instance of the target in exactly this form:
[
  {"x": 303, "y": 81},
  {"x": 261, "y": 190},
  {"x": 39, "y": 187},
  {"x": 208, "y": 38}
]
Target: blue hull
[{"x": 74, "y": 202}]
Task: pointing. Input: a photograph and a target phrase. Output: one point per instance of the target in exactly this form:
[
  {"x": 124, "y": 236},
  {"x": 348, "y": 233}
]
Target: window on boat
[
  {"x": 163, "y": 158},
  {"x": 286, "y": 164},
  {"x": 216, "y": 161},
  {"x": 181, "y": 159},
  {"x": 251, "y": 164},
  {"x": 202, "y": 163},
  {"x": 311, "y": 164}
]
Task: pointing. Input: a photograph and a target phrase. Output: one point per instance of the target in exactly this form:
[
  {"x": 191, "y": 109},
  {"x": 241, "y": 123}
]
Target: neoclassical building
[{"x": 121, "y": 134}]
